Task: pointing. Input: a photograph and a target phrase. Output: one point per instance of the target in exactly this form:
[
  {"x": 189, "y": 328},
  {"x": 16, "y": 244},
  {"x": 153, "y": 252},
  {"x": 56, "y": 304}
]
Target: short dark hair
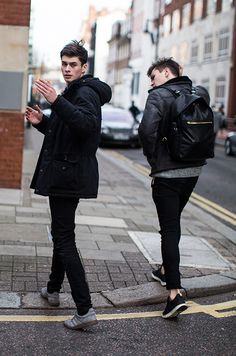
[
  {"x": 162, "y": 63},
  {"x": 75, "y": 49}
]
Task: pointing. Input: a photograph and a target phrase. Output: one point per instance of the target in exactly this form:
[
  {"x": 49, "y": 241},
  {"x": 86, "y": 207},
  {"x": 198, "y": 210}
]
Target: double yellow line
[
  {"x": 197, "y": 199},
  {"x": 214, "y": 208},
  {"x": 219, "y": 310}
]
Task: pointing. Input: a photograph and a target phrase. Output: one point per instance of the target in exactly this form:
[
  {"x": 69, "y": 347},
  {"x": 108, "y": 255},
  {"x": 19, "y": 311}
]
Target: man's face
[
  {"x": 72, "y": 68},
  {"x": 159, "y": 78}
]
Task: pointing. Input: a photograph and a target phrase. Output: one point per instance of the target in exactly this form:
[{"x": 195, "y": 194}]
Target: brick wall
[
  {"x": 14, "y": 16},
  {"x": 14, "y": 12},
  {"x": 11, "y": 147}
]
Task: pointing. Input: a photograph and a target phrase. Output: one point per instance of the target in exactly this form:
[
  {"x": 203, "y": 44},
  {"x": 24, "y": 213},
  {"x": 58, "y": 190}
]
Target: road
[
  {"x": 216, "y": 183},
  {"x": 200, "y": 332}
]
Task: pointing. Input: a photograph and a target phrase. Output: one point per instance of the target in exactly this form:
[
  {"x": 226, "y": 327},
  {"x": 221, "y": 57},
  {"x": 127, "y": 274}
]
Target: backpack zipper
[{"x": 198, "y": 123}]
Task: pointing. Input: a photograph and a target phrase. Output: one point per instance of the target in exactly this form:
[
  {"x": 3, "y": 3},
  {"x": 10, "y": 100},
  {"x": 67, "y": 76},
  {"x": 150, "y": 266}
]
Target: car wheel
[{"x": 228, "y": 148}]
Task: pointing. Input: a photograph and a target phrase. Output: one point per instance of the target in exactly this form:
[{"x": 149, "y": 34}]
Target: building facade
[
  {"x": 200, "y": 35},
  {"x": 119, "y": 74},
  {"x": 14, "y": 33}
]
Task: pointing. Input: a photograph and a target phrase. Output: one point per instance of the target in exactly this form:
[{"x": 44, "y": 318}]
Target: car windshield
[{"x": 117, "y": 115}]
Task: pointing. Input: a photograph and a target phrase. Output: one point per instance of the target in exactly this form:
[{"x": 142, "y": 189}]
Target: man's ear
[
  {"x": 167, "y": 72},
  {"x": 84, "y": 68}
]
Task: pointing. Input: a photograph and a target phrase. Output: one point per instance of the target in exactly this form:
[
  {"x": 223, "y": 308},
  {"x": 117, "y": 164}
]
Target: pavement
[{"x": 117, "y": 238}]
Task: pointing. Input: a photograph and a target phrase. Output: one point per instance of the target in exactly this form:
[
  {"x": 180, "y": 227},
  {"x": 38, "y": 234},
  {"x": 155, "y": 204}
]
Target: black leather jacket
[{"x": 157, "y": 105}]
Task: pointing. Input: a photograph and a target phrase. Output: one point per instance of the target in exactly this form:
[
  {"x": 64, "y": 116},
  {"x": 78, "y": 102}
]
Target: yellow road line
[
  {"x": 214, "y": 205},
  {"x": 219, "y": 310},
  {"x": 214, "y": 212},
  {"x": 195, "y": 198}
]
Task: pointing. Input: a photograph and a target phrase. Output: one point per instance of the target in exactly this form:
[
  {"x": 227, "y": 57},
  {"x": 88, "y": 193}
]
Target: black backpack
[{"x": 188, "y": 128}]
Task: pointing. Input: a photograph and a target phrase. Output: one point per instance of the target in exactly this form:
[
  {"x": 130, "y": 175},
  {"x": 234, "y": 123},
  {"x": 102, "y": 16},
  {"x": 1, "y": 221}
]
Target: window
[
  {"x": 211, "y": 7},
  {"x": 206, "y": 84},
  {"x": 186, "y": 14},
  {"x": 174, "y": 52},
  {"x": 135, "y": 83},
  {"x": 197, "y": 13},
  {"x": 226, "y": 5},
  {"x": 220, "y": 90},
  {"x": 175, "y": 20},
  {"x": 208, "y": 46},
  {"x": 166, "y": 25},
  {"x": 183, "y": 52},
  {"x": 194, "y": 52},
  {"x": 223, "y": 48}
]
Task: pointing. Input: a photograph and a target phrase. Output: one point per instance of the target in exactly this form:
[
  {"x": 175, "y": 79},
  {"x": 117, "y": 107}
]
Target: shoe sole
[
  {"x": 82, "y": 326},
  {"x": 159, "y": 280},
  {"x": 51, "y": 304},
  {"x": 176, "y": 311}
]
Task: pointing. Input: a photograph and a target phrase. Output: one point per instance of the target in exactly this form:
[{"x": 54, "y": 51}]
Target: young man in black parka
[{"x": 67, "y": 170}]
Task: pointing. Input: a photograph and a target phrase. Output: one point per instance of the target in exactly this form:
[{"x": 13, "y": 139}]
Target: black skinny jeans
[
  {"x": 65, "y": 255},
  {"x": 170, "y": 196}
]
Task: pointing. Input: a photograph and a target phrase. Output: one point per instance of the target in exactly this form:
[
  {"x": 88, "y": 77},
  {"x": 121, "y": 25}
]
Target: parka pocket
[{"x": 63, "y": 175}]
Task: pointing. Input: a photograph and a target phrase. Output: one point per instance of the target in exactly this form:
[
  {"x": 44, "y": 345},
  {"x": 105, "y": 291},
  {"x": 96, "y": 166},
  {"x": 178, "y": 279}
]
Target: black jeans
[
  {"x": 65, "y": 255},
  {"x": 170, "y": 196}
]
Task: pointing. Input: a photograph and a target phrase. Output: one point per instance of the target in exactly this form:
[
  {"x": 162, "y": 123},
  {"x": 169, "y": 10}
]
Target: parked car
[
  {"x": 230, "y": 144},
  {"x": 118, "y": 127}
]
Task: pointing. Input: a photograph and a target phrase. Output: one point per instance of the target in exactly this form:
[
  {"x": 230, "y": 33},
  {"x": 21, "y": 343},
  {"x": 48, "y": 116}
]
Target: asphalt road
[
  {"x": 217, "y": 181},
  {"x": 196, "y": 333}
]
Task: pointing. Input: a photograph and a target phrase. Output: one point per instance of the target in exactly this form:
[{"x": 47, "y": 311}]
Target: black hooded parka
[{"x": 67, "y": 164}]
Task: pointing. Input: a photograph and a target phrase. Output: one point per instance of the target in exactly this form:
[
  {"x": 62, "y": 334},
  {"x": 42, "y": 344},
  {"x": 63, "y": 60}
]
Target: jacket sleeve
[
  {"x": 83, "y": 117},
  {"x": 149, "y": 125},
  {"x": 41, "y": 127}
]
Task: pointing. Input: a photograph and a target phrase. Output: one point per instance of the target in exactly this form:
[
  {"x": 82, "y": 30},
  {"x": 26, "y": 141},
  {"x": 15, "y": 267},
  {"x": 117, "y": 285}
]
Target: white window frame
[
  {"x": 223, "y": 43},
  {"x": 194, "y": 48},
  {"x": 206, "y": 84},
  {"x": 220, "y": 90},
  {"x": 197, "y": 12},
  {"x": 208, "y": 47},
  {"x": 186, "y": 13}
]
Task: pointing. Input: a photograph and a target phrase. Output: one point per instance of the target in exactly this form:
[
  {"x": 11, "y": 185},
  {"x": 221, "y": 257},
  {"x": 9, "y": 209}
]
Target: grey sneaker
[
  {"x": 52, "y": 298},
  {"x": 81, "y": 321}
]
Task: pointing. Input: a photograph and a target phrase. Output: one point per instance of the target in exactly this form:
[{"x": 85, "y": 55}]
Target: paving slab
[
  {"x": 16, "y": 250},
  {"x": 32, "y": 220},
  {"x": 194, "y": 251},
  {"x": 44, "y": 251},
  {"x": 100, "y": 221},
  {"x": 9, "y": 300},
  {"x": 11, "y": 196},
  {"x": 117, "y": 246},
  {"x": 7, "y": 210},
  {"x": 92, "y": 237},
  {"x": 101, "y": 255}
]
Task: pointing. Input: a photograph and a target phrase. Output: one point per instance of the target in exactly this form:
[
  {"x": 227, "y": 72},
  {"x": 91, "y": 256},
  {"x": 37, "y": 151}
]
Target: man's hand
[
  {"x": 34, "y": 116},
  {"x": 45, "y": 88}
]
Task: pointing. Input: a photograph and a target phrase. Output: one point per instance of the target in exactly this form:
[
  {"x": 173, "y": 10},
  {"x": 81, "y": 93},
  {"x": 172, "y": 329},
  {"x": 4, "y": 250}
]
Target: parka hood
[{"x": 101, "y": 88}]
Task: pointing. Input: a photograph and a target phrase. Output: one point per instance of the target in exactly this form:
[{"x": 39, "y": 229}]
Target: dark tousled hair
[
  {"x": 75, "y": 49},
  {"x": 164, "y": 62}
]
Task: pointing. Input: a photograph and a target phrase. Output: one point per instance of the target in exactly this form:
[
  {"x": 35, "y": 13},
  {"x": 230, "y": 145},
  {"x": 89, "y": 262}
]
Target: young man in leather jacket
[
  {"x": 173, "y": 182},
  {"x": 67, "y": 170}
]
